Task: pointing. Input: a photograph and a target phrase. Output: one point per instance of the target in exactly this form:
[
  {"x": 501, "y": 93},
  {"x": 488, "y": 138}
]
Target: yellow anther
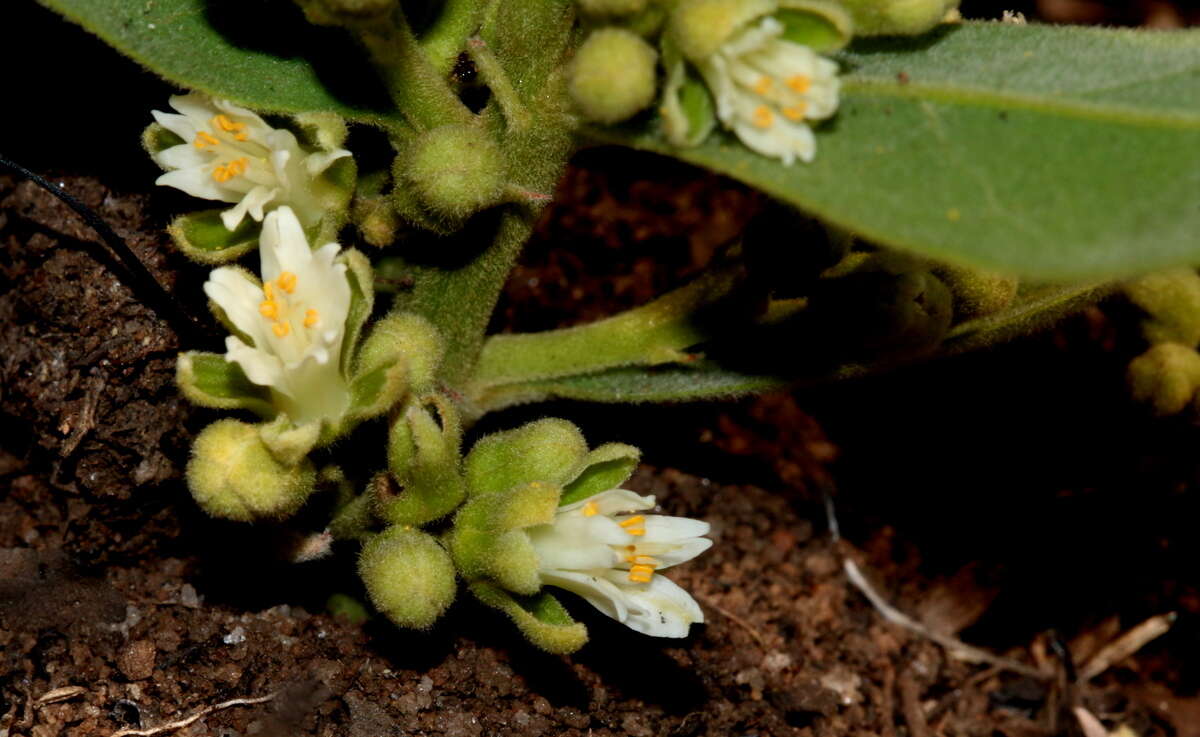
[
  {"x": 268, "y": 290},
  {"x": 641, "y": 574},
  {"x": 224, "y": 123},
  {"x": 629, "y": 524},
  {"x": 225, "y": 172},
  {"x": 204, "y": 138},
  {"x": 763, "y": 117},
  {"x": 799, "y": 83},
  {"x": 269, "y": 309},
  {"x": 590, "y": 509},
  {"x": 311, "y": 318},
  {"x": 222, "y": 174},
  {"x": 286, "y": 281},
  {"x": 795, "y": 112},
  {"x": 281, "y": 329},
  {"x": 763, "y": 85}
]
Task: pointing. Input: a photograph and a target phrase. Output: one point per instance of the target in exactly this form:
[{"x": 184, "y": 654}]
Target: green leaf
[
  {"x": 362, "y": 301},
  {"x": 606, "y": 467},
  {"x": 263, "y": 55},
  {"x": 541, "y": 618},
  {"x": 202, "y": 237},
  {"x": 820, "y": 25},
  {"x": 208, "y": 380},
  {"x": 673, "y": 384},
  {"x": 1053, "y": 152}
]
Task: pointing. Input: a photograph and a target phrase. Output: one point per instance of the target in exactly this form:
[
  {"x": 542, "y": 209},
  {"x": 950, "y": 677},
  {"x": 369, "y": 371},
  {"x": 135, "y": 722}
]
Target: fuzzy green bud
[
  {"x": 423, "y": 457},
  {"x": 408, "y": 337},
  {"x": 977, "y": 292},
  {"x": 233, "y": 475},
  {"x": 454, "y": 171},
  {"x": 550, "y": 450},
  {"x": 611, "y": 7},
  {"x": 701, "y": 26},
  {"x": 1165, "y": 377},
  {"x": 897, "y": 17},
  {"x": 613, "y": 75},
  {"x": 1172, "y": 300},
  {"x": 408, "y": 575}
]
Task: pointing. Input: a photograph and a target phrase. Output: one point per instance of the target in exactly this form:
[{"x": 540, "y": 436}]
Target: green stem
[
  {"x": 443, "y": 41},
  {"x": 353, "y": 520},
  {"x": 499, "y": 83},
  {"x": 459, "y": 302},
  {"x": 419, "y": 91},
  {"x": 650, "y": 335}
]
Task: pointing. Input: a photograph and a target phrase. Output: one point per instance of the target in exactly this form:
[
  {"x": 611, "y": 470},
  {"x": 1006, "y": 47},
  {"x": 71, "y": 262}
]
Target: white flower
[
  {"x": 295, "y": 320},
  {"x": 601, "y": 549},
  {"x": 230, "y": 154},
  {"x": 766, "y": 88}
]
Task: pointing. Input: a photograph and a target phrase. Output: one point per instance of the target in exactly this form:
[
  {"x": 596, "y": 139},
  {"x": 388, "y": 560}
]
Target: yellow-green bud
[
  {"x": 1172, "y": 299},
  {"x": 612, "y": 7},
  {"x": 613, "y": 75},
  {"x": 455, "y": 170},
  {"x": 977, "y": 292},
  {"x": 409, "y": 337},
  {"x": 550, "y": 450},
  {"x": 701, "y": 26},
  {"x": 408, "y": 575},
  {"x": 897, "y": 17},
  {"x": 233, "y": 475},
  {"x": 1165, "y": 377}
]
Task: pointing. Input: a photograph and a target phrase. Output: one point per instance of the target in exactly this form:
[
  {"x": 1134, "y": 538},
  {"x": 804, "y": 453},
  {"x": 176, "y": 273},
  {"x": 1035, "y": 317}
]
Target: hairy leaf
[
  {"x": 1054, "y": 152},
  {"x": 263, "y": 55}
]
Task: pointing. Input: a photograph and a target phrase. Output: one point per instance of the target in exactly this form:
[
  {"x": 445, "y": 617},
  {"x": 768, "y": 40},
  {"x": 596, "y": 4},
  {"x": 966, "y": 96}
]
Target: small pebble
[
  {"x": 236, "y": 637},
  {"x": 136, "y": 660}
]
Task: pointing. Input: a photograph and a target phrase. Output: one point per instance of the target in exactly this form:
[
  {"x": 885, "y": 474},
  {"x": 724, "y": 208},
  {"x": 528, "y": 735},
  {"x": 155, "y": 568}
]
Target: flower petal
[
  {"x": 661, "y": 608},
  {"x": 594, "y": 587}
]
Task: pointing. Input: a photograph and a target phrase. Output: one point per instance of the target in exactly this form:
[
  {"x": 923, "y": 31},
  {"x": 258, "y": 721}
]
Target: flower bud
[
  {"x": 977, "y": 292},
  {"x": 1172, "y": 300},
  {"x": 897, "y": 17},
  {"x": 408, "y": 337},
  {"x": 613, "y": 75},
  {"x": 1165, "y": 377},
  {"x": 408, "y": 576},
  {"x": 701, "y": 26},
  {"x": 550, "y": 450},
  {"x": 233, "y": 475},
  {"x": 454, "y": 171}
]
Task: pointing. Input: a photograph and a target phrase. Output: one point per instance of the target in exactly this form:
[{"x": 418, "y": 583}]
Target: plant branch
[{"x": 443, "y": 41}]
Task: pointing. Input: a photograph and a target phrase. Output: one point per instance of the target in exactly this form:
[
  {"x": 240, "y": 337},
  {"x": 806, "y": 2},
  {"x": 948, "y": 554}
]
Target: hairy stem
[{"x": 444, "y": 40}]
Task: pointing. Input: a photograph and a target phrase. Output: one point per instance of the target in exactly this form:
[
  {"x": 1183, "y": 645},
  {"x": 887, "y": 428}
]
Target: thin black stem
[{"x": 139, "y": 278}]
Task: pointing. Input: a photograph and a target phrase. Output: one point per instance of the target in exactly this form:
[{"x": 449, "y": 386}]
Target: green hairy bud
[
  {"x": 1165, "y": 378},
  {"x": 701, "y": 26},
  {"x": 897, "y": 17},
  {"x": 454, "y": 171},
  {"x": 613, "y": 75},
  {"x": 977, "y": 292},
  {"x": 406, "y": 337},
  {"x": 233, "y": 475},
  {"x": 550, "y": 450},
  {"x": 1172, "y": 299},
  {"x": 408, "y": 576}
]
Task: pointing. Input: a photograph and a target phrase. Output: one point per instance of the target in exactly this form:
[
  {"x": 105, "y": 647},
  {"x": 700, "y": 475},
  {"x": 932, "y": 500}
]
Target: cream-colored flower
[
  {"x": 766, "y": 88},
  {"x": 604, "y": 550},
  {"x": 232, "y": 155},
  {"x": 295, "y": 320}
]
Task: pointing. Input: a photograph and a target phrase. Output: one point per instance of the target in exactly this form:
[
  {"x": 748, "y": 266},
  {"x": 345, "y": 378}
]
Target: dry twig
[
  {"x": 957, "y": 647},
  {"x": 181, "y": 723},
  {"x": 1126, "y": 645},
  {"x": 736, "y": 619}
]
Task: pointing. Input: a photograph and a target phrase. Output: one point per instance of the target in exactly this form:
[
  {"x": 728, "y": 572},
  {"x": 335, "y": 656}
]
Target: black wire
[{"x": 140, "y": 280}]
